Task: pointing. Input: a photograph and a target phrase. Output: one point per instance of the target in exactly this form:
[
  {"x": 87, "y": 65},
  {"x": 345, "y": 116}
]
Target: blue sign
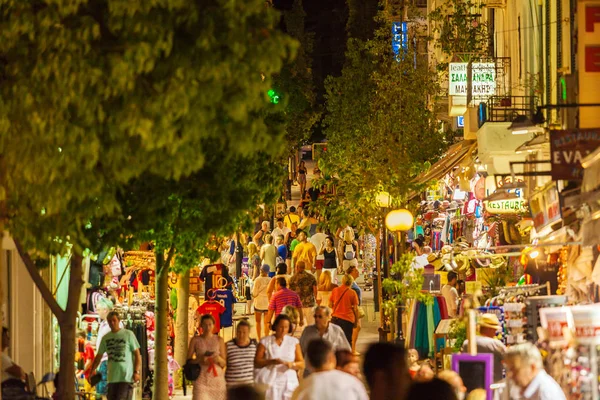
[
  {"x": 460, "y": 121},
  {"x": 399, "y": 37}
]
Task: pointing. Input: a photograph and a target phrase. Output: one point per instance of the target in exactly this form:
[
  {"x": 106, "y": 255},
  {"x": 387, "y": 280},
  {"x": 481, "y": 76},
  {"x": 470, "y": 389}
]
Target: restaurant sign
[
  {"x": 509, "y": 206},
  {"x": 568, "y": 148},
  {"x": 483, "y": 79}
]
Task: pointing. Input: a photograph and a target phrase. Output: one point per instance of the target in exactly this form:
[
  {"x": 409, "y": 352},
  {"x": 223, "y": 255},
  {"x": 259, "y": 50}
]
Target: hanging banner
[
  {"x": 568, "y": 148},
  {"x": 545, "y": 206},
  {"x": 587, "y": 321}
]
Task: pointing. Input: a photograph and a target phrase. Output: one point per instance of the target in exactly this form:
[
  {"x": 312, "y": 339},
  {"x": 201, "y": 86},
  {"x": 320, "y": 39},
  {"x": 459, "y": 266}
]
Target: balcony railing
[{"x": 507, "y": 108}]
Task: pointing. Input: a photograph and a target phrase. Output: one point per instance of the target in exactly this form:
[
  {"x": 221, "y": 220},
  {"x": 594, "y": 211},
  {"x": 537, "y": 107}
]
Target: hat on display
[
  {"x": 419, "y": 262},
  {"x": 445, "y": 204},
  {"x": 483, "y": 261},
  {"x": 431, "y": 258},
  {"x": 265, "y": 268},
  {"x": 489, "y": 321},
  {"x": 436, "y": 204}
]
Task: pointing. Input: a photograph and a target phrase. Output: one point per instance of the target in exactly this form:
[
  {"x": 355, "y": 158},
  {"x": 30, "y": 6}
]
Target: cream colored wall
[{"x": 30, "y": 326}]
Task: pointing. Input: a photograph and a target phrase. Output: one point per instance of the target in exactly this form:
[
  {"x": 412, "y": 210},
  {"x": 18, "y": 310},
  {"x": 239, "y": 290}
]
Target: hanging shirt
[
  {"x": 211, "y": 276},
  {"x": 215, "y": 309},
  {"x": 226, "y": 298}
]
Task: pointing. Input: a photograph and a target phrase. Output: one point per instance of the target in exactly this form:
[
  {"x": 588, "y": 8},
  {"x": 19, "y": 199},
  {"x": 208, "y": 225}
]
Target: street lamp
[
  {"x": 399, "y": 221},
  {"x": 383, "y": 200}
]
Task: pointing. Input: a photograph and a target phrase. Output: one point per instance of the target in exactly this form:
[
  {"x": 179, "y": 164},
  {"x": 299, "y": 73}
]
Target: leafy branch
[{"x": 404, "y": 284}]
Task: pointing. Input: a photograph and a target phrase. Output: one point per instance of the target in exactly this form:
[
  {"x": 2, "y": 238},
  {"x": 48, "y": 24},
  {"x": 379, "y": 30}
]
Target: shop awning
[{"x": 453, "y": 157}]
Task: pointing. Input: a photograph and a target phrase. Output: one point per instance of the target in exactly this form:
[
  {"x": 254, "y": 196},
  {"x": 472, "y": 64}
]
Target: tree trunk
[
  {"x": 181, "y": 324},
  {"x": 68, "y": 330},
  {"x": 161, "y": 313}
]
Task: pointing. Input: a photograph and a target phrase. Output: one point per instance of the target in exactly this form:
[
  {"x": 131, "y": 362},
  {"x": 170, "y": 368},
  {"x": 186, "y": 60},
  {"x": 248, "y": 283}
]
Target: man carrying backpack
[{"x": 348, "y": 251}]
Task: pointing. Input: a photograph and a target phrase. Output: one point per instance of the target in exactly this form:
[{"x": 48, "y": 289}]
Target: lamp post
[
  {"x": 383, "y": 201},
  {"x": 399, "y": 221}
]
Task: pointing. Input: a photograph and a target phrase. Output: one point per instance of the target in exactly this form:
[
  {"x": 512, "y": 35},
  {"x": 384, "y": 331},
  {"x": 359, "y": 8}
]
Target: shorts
[
  {"x": 301, "y": 178},
  {"x": 120, "y": 391},
  {"x": 319, "y": 264},
  {"x": 260, "y": 311}
]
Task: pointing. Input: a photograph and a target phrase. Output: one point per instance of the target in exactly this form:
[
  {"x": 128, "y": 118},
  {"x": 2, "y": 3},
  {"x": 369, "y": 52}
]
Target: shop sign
[
  {"x": 545, "y": 206},
  {"x": 588, "y": 59},
  {"x": 568, "y": 148},
  {"x": 399, "y": 38},
  {"x": 483, "y": 79},
  {"x": 554, "y": 320},
  {"x": 587, "y": 321},
  {"x": 511, "y": 206}
]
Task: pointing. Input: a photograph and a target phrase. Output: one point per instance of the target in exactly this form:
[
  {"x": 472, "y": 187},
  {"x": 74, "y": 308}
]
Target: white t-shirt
[
  {"x": 330, "y": 385},
  {"x": 280, "y": 231},
  {"x": 451, "y": 296},
  {"x": 6, "y": 364},
  {"x": 317, "y": 240}
]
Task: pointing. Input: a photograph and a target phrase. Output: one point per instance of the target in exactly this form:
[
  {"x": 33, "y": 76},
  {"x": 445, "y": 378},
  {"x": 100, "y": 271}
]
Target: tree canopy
[
  {"x": 97, "y": 95},
  {"x": 381, "y": 128}
]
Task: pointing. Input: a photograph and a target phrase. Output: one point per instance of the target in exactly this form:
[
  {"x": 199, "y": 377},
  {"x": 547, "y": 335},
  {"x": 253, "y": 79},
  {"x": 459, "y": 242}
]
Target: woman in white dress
[{"x": 277, "y": 361}]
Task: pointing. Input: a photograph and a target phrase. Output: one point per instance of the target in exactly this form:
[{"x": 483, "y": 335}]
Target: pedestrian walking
[
  {"x": 305, "y": 285},
  {"x": 280, "y": 229},
  {"x": 208, "y": 350},
  {"x": 291, "y": 218},
  {"x": 278, "y": 360},
  {"x": 259, "y": 236},
  {"x": 353, "y": 272},
  {"x": 301, "y": 177},
  {"x": 327, "y": 383},
  {"x": 268, "y": 254},
  {"x": 525, "y": 368},
  {"x": 281, "y": 298},
  {"x": 253, "y": 260},
  {"x": 124, "y": 359},
  {"x": 318, "y": 240},
  {"x": 347, "y": 362},
  {"x": 349, "y": 250},
  {"x": 344, "y": 305},
  {"x": 304, "y": 251},
  {"x": 322, "y": 329},
  {"x": 330, "y": 257},
  {"x": 386, "y": 371},
  {"x": 241, "y": 351},
  {"x": 324, "y": 288},
  {"x": 261, "y": 301},
  {"x": 281, "y": 272}
]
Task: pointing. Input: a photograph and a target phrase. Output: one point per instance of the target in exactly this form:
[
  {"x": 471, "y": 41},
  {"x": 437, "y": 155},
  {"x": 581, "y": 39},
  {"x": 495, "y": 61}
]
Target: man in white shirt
[
  {"x": 317, "y": 240},
  {"x": 322, "y": 329},
  {"x": 327, "y": 383},
  {"x": 281, "y": 229},
  {"x": 451, "y": 294},
  {"x": 525, "y": 368}
]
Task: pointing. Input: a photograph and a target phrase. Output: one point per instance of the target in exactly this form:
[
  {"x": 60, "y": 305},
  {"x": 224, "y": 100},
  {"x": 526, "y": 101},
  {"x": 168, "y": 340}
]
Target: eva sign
[
  {"x": 483, "y": 79},
  {"x": 568, "y": 148}
]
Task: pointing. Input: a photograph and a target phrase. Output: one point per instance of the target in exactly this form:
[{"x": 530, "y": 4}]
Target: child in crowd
[{"x": 413, "y": 362}]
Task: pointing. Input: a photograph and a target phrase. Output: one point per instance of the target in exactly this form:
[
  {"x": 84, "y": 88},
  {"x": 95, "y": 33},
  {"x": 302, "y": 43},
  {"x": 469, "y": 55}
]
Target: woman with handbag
[
  {"x": 278, "y": 359},
  {"x": 344, "y": 305},
  {"x": 208, "y": 350},
  {"x": 353, "y": 272}
]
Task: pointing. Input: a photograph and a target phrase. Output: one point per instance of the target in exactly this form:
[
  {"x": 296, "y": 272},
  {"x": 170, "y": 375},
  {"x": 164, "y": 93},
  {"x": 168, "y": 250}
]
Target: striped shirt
[
  {"x": 284, "y": 297},
  {"x": 240, "y": 363}
]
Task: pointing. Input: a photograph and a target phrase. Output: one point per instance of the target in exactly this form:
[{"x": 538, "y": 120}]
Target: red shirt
[
  {"x": 282, "y": 298},
  {"x": 215, "y": 309}
]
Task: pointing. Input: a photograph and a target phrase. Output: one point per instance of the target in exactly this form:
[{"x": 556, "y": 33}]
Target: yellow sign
[
  {"x": 588, "y": 53},
  {"x": 511, "y": 206}
]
